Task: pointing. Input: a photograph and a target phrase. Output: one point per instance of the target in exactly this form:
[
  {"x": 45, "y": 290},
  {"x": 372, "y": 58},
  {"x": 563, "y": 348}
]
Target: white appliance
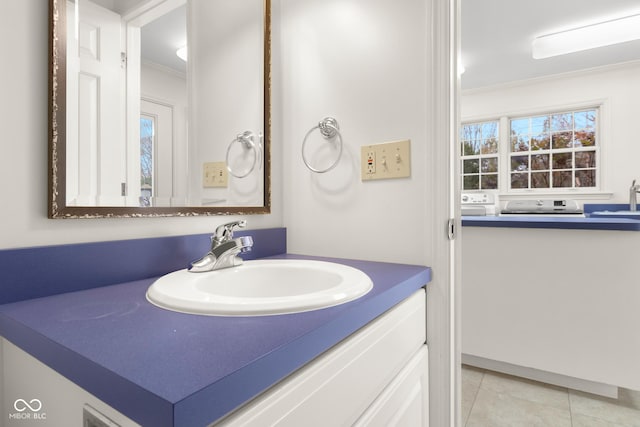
[
  {"x": 479, "y": 204},
  {"x": 542, "y": 207}
]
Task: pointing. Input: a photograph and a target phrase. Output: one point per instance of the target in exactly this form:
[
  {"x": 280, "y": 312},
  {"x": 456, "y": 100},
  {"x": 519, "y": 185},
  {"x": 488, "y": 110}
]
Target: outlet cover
[
  {"x": 214, "y": 174},
  {"x": 388, "y": 160}
]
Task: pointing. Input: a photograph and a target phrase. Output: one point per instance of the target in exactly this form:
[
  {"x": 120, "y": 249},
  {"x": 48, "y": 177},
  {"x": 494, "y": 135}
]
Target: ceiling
[{"x": 497, "y": 36}]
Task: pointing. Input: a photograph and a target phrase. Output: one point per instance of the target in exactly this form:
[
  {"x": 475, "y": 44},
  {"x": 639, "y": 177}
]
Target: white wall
[
  {"x": 618, "y": 87},
  {"x": 228, "y": 101},
  {"x": 23, "y": 163},
  {"x": 363, "y": 62}
]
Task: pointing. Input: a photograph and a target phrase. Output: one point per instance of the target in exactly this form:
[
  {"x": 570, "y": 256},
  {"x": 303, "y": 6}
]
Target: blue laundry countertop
[
  {"x": 568, "y": 222},
  {"x": 555, "y": 222},
  {"x": 163, "y": 368}
]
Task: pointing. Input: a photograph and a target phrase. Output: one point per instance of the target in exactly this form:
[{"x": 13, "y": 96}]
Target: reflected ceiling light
[
  {"x": 588, "y": 37},
  {"x": 182, "y": 53}
]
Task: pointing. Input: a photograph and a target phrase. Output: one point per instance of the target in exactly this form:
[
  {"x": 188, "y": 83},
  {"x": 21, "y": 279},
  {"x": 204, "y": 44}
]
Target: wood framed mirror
[{"x": 135, "y": 131}]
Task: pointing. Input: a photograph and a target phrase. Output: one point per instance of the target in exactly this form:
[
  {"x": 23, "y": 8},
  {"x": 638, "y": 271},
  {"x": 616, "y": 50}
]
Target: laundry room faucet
[{"x": 633, "y": 198}]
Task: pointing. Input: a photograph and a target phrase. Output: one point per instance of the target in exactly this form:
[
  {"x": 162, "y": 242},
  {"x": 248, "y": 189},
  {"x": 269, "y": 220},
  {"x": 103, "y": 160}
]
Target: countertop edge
[{"x": 559, "y": 222}]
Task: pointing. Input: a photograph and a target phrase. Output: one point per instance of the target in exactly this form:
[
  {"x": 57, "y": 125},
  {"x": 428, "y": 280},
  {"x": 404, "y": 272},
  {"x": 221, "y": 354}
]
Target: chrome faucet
[
  {"x": 633, "y": 200},
  {"x": 224, "y": 249}
]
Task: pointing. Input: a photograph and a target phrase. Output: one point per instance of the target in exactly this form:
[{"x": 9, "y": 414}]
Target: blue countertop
[{"x": 163, "y": 368}]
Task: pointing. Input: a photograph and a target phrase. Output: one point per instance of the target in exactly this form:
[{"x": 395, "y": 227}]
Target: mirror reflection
[{"x": 165, "y": 107}]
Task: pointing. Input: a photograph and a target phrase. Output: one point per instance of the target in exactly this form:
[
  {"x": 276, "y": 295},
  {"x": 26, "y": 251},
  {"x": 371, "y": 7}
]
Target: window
[
  {"x": 147, "y": 126},
  {"x": 553, "y": 151},
  {"x": 480, "y": 155},
  {"x": 544, "y": 152}
]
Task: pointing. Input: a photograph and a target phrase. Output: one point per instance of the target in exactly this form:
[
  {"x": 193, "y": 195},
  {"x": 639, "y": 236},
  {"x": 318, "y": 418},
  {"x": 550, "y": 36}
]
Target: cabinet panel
[
  {"x": 340, "y": 385},
  {"x": 37, "y": 396},
  {"x": 405, "y": 402}
]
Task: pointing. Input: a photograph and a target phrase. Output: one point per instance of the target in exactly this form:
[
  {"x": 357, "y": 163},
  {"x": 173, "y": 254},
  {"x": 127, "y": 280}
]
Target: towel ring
[
  {"x": 246, "y": 140},
  {"x": 328, "y": 129}
]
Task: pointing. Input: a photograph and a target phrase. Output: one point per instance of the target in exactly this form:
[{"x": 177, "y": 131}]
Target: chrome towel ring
[
  {"x": 329, "y": 129},
  {"x": 246, "y": 140}
]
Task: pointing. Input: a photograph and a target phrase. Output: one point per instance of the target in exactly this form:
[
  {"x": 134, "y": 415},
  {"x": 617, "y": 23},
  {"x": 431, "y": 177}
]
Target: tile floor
[{"x": 491, "y": 399}]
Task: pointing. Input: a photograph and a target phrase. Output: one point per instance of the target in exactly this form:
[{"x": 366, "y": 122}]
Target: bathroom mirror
[{"x": 135, "y": 130}]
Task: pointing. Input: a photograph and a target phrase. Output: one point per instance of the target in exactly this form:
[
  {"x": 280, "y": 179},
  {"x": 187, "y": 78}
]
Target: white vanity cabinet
[{"x": 377, "y": 377}]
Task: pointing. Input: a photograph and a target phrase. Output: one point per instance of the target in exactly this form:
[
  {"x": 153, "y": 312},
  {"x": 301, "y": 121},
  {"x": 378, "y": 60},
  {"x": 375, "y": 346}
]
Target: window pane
[
  {"x": 519, "y": 163},
  {"x": 490, "y": 130},
  {"x": 520, "y": 127},
  {"x": 562, "y": 179},
  {"x": 561, "y": 140},
  {"x": 471, "y": 166},
  {"x": 540, "y": 180},
  {"x": 519, "y": 180},
  {"x": 562, "y": 121},
  {"x": 540, "y": 162},
  {"x": 489, "y": 146},
  {"x": 471, "y": 182},
  {"x": 585, "y": 138},
  {"x": 586, "y": 178},
  {"x": 489, "y": 182},
  {"x": 471, "y": 148},
  {"x": 586, "y": 159},
  {"x": 540, "y": 142},
  {"x": 585, "y": 119},
  {"x": 519, "y": 143},
  {"x": 540, "y": 124},
  {"x": 562, "y": 161},
  {"x": 490, "y": 165}
]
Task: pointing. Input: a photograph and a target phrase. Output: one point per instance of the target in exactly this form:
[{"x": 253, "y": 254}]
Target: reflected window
[{"x": 147, "y": 142}]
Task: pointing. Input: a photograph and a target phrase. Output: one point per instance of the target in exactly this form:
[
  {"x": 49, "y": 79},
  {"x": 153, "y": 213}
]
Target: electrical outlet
[
  {"x": 370, "y": 159},
  {"x": 214, "y": 174},
  {"x": 388, "y": 160}
]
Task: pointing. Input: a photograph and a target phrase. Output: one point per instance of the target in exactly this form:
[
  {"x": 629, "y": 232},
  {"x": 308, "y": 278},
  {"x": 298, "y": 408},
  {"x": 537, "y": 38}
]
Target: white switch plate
[
  {"x": 390, "y": 160},
  {"x": 214, "y": 174}
]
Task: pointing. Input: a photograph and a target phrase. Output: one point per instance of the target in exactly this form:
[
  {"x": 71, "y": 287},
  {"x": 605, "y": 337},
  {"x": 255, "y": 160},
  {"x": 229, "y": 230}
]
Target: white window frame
[{"x": 603, "y": 136}]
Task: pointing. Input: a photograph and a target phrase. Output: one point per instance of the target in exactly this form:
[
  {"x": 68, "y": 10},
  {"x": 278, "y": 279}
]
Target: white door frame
[{"x": 443, "y": 306}]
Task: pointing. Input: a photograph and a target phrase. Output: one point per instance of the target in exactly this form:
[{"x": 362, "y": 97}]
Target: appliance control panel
[{"x": 478, "y": 199}]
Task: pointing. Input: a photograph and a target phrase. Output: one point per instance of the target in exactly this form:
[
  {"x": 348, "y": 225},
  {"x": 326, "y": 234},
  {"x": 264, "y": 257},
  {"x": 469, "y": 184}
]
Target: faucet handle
[{"x": 224, "y": 232}]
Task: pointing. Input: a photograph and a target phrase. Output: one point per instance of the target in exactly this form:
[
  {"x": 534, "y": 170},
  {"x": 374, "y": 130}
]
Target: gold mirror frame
[{"x": 57, "y": 207}]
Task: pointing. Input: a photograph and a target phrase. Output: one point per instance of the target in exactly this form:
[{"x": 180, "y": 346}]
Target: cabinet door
[{"x": 405, "y": 402}]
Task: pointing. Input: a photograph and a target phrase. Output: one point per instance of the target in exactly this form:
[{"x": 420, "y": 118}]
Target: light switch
[
  {"x": 214, "y": 174},
  {"x": 386, "y": 161}
]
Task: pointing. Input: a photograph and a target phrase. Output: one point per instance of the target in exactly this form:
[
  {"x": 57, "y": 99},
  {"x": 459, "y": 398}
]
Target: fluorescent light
[
  {"x": 588, "y": 37},
  {"x": 182, "y": 53}
]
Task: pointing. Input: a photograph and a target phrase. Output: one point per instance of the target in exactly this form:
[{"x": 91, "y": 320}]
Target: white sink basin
[
  {"x": 617, "y": 214},
  {"x": 260, "y": 287}
]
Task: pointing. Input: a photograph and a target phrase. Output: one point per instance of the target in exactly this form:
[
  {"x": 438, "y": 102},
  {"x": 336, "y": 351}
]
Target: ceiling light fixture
[
  {"x": 588, "y": 37},
  {"x": 182, "y": 53}
]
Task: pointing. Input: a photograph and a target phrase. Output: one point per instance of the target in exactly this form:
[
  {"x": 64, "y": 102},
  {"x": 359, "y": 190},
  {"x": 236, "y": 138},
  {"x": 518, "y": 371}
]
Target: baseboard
[{"x": 587, "y": 386}]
